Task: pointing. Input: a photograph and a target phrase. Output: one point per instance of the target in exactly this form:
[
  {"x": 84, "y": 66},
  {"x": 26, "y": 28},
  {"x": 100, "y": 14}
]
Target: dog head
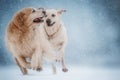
[
  {"x": 52, "y": 16},
  {"x": 28, "y": 17}
]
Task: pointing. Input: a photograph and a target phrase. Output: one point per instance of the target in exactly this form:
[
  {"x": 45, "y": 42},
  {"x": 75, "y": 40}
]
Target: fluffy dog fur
[
  {"x": 25, "y": 39},
  {"x": 56, "y": 33}
]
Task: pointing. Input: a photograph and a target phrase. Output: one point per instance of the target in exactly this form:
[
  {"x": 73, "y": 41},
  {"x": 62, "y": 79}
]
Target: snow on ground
[{"x": 75, "y": 73}]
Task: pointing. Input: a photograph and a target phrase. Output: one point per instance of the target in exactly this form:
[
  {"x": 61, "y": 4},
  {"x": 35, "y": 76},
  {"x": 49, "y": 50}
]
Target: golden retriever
[{"x": 25, "y": 39}]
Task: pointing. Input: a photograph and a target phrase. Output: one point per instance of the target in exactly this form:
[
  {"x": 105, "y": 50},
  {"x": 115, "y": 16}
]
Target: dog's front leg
[
  {"x": 36, "y": 60},
  {"x": 22, "y": 62},
  {"x": 24, "y": 70},
  {"x": 61, "y": 57},
  {"x": 64, "y": 68},
  {"x": 54, "y": 68}
]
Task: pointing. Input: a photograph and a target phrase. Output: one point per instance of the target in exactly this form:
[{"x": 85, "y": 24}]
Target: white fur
[
  {"x": 52, "y": 44},
  {"x": 59, "y": 39}
]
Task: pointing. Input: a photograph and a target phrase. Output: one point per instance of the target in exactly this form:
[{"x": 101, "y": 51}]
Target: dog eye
[
  {"x": 44, "y": 12},
  {"x": 33, "y": 10},
  {"x": 53, "y": 15}
]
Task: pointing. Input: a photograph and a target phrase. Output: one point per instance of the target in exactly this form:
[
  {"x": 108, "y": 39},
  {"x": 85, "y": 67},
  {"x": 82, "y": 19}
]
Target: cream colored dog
[
  {"x": 56, "y": 33},
  {"x": 25, "y": 39}
]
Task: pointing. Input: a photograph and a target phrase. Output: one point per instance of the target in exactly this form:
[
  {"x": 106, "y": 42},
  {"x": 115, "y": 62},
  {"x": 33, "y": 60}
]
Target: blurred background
[{"x": 93, "y": 28}]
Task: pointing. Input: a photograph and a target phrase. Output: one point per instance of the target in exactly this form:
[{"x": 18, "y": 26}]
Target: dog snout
[{"x": 48, "y": 21}]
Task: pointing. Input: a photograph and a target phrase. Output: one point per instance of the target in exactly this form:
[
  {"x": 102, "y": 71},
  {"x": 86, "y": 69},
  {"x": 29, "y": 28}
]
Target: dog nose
[{"x": 48, "y": 21}]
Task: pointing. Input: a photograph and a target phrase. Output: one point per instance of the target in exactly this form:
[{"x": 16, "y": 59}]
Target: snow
[{"x": 75, "y": 73}]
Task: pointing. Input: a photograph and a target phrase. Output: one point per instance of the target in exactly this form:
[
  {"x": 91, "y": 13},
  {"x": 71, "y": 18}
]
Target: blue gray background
[{"x": 93, "y": 28}]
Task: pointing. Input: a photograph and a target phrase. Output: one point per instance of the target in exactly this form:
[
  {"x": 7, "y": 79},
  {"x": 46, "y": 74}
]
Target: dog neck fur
[{"x": 53, "y": 29}]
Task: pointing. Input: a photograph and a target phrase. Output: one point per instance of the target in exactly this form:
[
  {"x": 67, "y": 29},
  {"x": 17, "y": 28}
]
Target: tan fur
[{"x": 25, "y": 39}]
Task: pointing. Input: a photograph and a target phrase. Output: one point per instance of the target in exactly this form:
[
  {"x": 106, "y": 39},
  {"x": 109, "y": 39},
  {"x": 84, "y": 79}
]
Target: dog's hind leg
[
  {"x": 24, "y": 70},
  {"x": 54, "y": 69},
  {"x": 61, "y": 55},
  {"x": 64, "y": 69},
  {"x": 36, "y": 60}
]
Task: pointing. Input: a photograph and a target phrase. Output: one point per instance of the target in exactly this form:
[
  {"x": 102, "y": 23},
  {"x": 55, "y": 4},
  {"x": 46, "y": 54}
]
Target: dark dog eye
[
  {"x": 44, "y": 12},
  {"x": 53, "y": 15},
  {"x": 33, "y": 10}
]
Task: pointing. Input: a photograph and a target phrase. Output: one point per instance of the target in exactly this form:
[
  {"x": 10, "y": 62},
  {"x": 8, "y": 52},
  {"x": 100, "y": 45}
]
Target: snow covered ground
[{"x": 75, "y": 73}]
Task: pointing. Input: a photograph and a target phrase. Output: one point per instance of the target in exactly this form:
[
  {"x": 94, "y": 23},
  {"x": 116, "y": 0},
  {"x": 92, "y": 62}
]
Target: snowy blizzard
[
  {"x": 74, "y": 73},
  {"x": 93, "y": 28}
]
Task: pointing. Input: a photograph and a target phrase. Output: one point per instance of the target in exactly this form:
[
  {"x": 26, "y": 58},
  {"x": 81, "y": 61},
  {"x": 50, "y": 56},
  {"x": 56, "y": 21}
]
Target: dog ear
[
  {"x": 19, "y": 20},
  {"x": 61, "y": 11}
]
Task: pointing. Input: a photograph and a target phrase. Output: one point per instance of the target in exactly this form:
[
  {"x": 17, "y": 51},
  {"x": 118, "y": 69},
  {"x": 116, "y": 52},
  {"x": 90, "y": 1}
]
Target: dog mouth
[
  {"x": 38, "y": 20},
  {"x": 50, "y": 24}
]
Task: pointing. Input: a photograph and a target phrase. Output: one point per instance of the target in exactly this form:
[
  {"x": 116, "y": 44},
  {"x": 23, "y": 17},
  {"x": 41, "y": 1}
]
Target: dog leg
[
  {"x": 24, "y": 70},
  {"x": 64, "y": 69},
  {"x": 36, "y": 61},
  {"x": 23, "y": 63},
  {"x": 39, "y": 68},
  {"x": 54, "y": 68},
  {"x": 61, "y": 57}
]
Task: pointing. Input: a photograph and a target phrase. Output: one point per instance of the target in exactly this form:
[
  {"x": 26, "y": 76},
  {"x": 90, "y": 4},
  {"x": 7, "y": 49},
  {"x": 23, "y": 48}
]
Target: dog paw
[
  {"x": 28, "y": 66},
  {"x": 36, "y": 68},
  {"x": 58, "y": 59},
  {"x": 24, "y": 71},
  {"x": 65, "y": 70},
  {"x": 39, "y": 69}
]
